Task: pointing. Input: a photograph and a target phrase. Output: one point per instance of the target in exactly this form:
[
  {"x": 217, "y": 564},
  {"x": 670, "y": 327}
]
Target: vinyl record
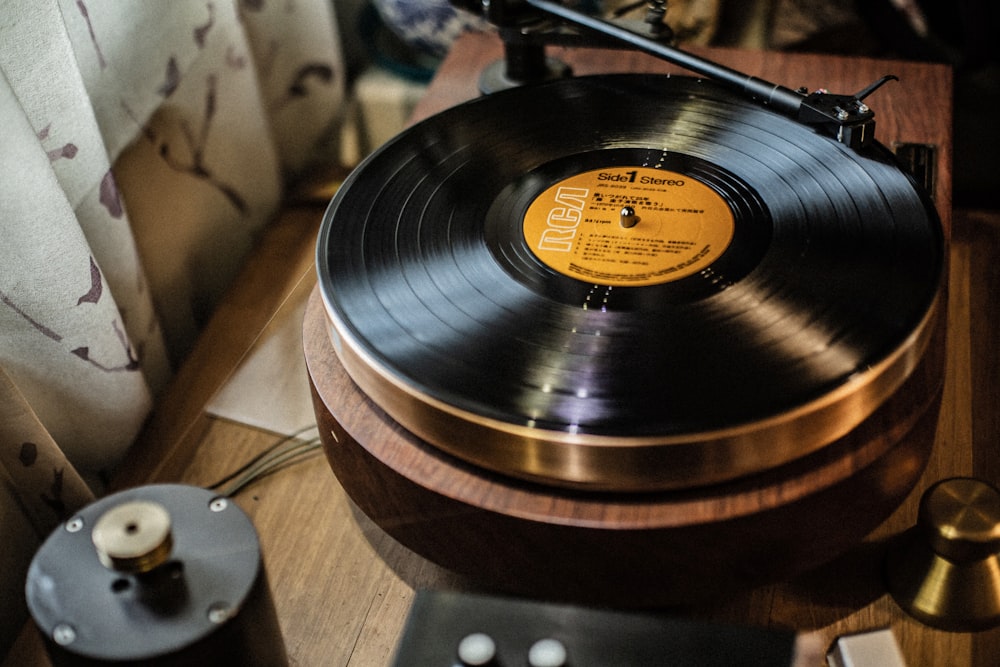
[{"x": 628, "y": 282}]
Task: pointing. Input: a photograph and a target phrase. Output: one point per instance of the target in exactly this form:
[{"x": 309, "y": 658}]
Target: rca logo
[{"x": 563, "y": 219}]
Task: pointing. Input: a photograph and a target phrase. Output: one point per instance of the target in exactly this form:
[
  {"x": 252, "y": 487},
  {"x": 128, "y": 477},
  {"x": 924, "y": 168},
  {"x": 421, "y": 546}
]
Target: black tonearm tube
[{"x": 844, "y": 117}]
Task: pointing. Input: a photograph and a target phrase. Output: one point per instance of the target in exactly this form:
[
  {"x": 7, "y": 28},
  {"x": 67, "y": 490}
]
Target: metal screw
[
  {"x": 74, "y": 525},
  {"x": 219, "y": 612},
  {"x": 842, "y": 114},
  {"x": 63, "y": 634},
  {"x": 218, "y": 504}
]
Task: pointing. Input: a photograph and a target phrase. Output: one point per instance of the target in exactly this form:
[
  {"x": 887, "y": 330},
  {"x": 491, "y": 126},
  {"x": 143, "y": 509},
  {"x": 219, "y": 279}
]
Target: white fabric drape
[{"x": 143, "y": 147}]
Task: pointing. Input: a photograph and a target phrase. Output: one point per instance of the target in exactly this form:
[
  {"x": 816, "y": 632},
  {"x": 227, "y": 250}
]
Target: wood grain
[{"x": 281, "y": 266}]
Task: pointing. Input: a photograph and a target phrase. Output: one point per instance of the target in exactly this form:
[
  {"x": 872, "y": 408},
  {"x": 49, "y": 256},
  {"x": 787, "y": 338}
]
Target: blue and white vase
[{"x": 428, "y": 26}]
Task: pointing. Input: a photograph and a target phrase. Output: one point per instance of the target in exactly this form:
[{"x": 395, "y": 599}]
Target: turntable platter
[{"x": 628, "y": 282}]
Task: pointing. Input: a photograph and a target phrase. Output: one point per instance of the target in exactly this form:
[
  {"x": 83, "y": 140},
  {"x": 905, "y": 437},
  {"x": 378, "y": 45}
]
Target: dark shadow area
[{"x": 959, "y": 33}]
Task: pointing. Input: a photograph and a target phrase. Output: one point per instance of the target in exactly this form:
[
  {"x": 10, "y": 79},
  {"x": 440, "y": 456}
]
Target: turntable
[{"x": 631, "y": 338}]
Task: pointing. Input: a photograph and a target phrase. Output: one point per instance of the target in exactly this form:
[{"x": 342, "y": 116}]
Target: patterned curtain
[{"x": 144, "y": 145}]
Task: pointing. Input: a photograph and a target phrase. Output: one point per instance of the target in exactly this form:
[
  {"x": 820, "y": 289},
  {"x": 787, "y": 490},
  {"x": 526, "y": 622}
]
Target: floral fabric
[{"x": 143, "y": 149}]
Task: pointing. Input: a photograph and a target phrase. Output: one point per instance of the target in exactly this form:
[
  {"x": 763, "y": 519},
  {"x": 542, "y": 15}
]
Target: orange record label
[{"x": 628, "y": 226}]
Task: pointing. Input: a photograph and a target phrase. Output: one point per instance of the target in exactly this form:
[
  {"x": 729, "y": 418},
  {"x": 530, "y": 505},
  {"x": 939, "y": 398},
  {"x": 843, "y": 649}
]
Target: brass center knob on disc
[
  {"x": 946, "y": 571},
  {"x": 133, "y": 537}
]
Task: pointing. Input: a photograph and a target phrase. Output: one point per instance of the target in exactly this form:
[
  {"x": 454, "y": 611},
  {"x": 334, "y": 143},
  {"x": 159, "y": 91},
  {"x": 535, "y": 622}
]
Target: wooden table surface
[{"x": 343, "y": 588}]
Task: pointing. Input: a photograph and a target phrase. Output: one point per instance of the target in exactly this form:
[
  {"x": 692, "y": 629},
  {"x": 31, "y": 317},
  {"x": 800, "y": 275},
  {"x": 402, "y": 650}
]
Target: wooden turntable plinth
[
  {"x": 654, "y": 549},
  {"x": 640, "y": 549}
]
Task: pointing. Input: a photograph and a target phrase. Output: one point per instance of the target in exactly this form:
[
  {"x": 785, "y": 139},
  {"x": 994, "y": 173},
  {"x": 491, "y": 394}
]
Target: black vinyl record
[{"x": 627, "y": 281}]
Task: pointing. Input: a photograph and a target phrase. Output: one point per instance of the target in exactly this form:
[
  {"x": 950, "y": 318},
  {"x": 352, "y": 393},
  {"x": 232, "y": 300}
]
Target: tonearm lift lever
[{"x": 526, "y": 26}]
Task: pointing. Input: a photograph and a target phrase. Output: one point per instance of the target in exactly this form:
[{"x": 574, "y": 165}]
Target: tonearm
[{"x": 527, "y": 26}]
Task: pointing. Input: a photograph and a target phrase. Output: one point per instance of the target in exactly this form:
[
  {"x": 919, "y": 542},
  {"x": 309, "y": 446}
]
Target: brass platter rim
[{"x": 594, "y": 462}]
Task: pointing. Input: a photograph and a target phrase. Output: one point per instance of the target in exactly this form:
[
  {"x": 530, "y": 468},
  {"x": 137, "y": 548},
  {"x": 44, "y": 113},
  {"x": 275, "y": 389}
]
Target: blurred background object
[{"x": 427, "y": 26}]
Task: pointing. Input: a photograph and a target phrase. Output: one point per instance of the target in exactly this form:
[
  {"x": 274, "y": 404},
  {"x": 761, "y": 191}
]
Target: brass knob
[
  {"x": 945, "y": 572},
  {"x": 133, "y": 537}
]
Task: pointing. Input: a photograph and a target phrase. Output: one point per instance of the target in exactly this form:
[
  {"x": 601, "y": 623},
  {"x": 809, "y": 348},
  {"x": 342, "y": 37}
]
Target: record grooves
[{"x": 806, "y": 296}]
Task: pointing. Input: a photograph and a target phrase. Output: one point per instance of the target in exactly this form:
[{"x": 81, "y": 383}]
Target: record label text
[{"x": 677, "y": 226}]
